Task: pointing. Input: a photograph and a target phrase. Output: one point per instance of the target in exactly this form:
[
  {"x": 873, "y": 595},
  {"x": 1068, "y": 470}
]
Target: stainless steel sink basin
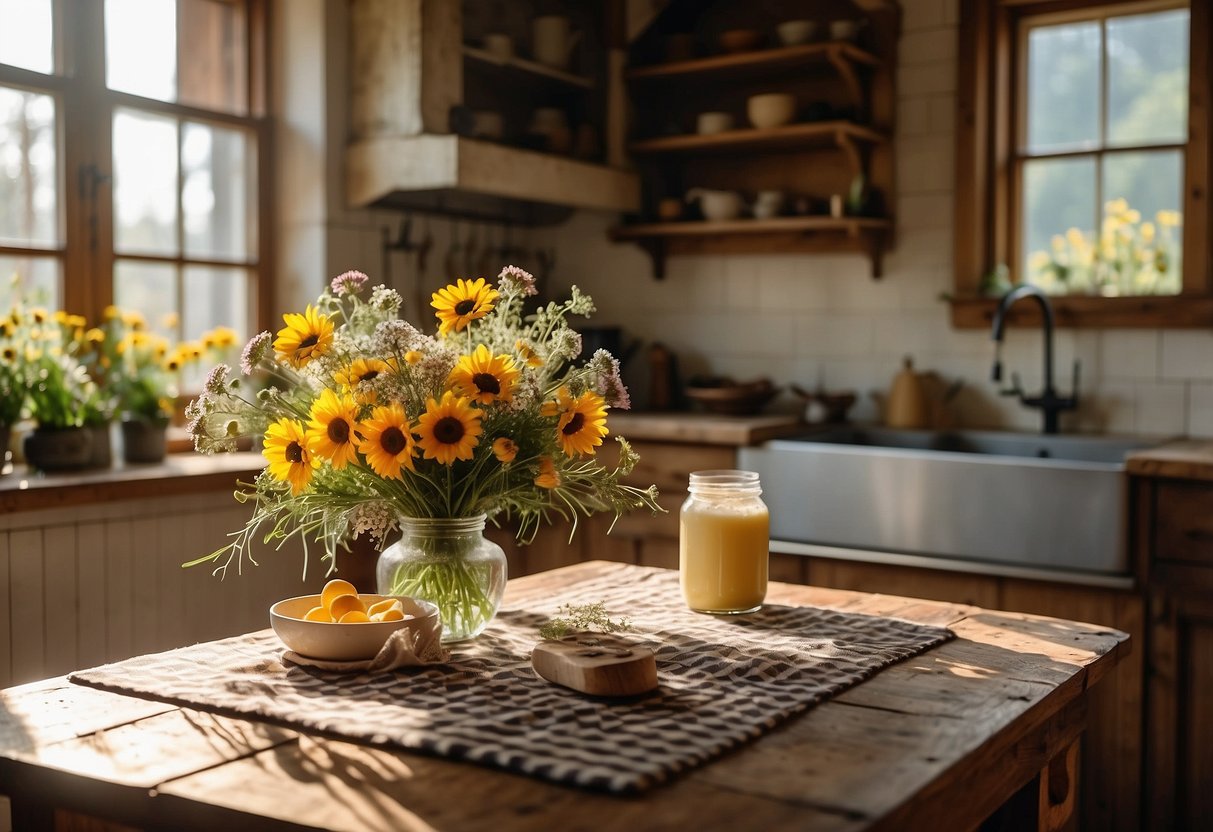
[{"x": 1054, "y": 502}]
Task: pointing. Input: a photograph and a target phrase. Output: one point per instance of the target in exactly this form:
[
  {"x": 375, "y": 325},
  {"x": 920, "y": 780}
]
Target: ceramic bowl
[
  {"x": 740, "y": 40},
  {"x": 772, "y": 109},
  {"x": 796, "y": 32},
  {"x": 844, "y": 29},
  {"x": 342, "y": 642},
  {"x": 734, "y": 399}
]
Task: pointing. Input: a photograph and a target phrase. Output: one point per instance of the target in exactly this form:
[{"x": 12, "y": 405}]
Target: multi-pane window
[
  {"x": 1102, "y": 121},
  {"x": 130, "y": 143}
]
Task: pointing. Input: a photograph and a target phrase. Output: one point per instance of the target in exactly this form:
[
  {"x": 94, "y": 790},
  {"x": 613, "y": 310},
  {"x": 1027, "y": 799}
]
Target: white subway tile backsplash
[
  {"x": 927, "y": 46},
  {"x": 1129, "y": 354},
  {"x": 1161, "y": 408},
  {"x": 1200, "y": 409},
  {"x": 833, "y": 336},
  {"x": 1187, "y": 354},
  {"x": 919, "y": 79},
  {"x": 922, "y": 14}
]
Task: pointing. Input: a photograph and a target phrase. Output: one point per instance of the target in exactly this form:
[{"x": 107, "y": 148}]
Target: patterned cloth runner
[{"x": 723, "y": 681}]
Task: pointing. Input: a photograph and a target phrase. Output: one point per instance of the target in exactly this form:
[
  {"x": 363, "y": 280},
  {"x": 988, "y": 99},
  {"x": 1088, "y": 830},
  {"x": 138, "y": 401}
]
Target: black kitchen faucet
[{"x": 1048, "y": 401}]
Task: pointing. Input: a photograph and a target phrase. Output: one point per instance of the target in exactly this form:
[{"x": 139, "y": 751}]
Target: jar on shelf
[{"x": 724, "y": 543}]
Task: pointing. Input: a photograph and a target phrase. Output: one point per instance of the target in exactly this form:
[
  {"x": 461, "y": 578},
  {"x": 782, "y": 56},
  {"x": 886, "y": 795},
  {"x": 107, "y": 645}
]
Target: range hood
[{"x": 414, "y": 82}]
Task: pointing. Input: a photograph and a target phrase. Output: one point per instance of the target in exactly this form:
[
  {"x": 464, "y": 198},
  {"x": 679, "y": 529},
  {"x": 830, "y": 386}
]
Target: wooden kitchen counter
[
  {"x": 940, "y": 741},
  {"x": 187, "y": 473},
  {"x": 704, "y": 428},
  {"x": 1190, "y": 459}
]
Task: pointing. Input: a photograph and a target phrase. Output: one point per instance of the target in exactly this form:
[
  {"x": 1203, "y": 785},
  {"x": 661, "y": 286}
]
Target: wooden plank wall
[{"x": 85, "y": 586}]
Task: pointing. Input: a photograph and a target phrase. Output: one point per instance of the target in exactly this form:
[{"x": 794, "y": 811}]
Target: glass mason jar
[
  {"x": 449, "y": 562},
  {"x": 723, "y": 543}
]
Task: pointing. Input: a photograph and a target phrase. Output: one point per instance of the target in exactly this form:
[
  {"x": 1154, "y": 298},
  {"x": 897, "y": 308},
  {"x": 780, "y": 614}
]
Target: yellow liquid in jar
[{"x": 722, "y": 557}]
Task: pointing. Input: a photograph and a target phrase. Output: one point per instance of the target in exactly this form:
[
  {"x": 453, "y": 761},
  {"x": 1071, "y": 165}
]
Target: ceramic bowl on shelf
[
  {"x": 796, "y": 32},
  {"x": 740, "y": 40},
  {"x": 771, "y": 109},
  {"x": 343, "y": 642},
  {"x": 730, "y": 398}
]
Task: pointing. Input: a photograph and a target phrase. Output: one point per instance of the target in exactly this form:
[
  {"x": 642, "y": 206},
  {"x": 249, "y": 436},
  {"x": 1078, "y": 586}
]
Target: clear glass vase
[{"x": 449, "y": 562}]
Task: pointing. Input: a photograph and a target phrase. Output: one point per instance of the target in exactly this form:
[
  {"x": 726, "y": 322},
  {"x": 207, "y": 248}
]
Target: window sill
[{"x": 1144, "y": 312}]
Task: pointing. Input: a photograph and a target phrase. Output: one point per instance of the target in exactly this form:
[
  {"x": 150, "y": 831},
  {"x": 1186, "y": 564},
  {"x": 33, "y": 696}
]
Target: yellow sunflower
[
  {"x": 582, "y": 422},
  {"x": 387, "y": 441},
  {"x": 360, "y": 370},
  {"x": 304, "y": 337},
  {"x": 483, "y": 377},
  {"x": 449, "y": 430},
  {"x": 548, "y": 477},
  {"x": 505, "y": 449},
  {"x": 288, "y": 455},
  {"x": 331, "y": 431},
  {"x": 463, "y": 302}
]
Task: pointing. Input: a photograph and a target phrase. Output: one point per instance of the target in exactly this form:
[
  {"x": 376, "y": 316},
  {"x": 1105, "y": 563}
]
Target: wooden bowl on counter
[{"x": 731, "y": 398}]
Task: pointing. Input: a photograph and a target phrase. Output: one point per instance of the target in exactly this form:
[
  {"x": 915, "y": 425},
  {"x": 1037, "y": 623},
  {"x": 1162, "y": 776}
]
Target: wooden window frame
[
  {"x": 84, "y": 112},
  {"x": 987, "y": 182}
]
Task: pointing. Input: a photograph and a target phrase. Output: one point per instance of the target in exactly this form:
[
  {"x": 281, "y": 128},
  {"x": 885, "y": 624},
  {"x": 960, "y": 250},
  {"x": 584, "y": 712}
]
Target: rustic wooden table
[{"x": 986, "y": 723}]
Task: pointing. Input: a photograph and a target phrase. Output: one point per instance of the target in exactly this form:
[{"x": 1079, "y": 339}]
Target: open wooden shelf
[
  {"x": 790, "y": 136},
  {"x": 532, "y": 68},
  {"x": 758, "y": 61},
  {"x": 868, "y": 235}
]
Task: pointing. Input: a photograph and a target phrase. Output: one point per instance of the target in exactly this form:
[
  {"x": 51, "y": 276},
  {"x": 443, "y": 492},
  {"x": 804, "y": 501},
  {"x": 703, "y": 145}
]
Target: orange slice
[
  {"x": 346, "y": 603},
  {"x": 384, "y": 606},
  {"x": 333, "y": 590},
  {"x": 353, "y": 616},
  {"x": 318, "y": 614},
  {"x": 388, "y": 615}
]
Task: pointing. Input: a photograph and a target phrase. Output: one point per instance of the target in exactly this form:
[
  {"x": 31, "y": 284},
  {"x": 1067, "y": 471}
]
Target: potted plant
[
  {"x": 12, "y": 384},
  {"x": 60, "y": 395}
]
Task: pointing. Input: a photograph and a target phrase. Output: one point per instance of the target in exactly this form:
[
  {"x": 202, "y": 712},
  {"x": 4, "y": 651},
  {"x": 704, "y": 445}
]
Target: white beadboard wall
[
  {"x": 99, "y": 583},
  {"x": 810, "y": 319}
]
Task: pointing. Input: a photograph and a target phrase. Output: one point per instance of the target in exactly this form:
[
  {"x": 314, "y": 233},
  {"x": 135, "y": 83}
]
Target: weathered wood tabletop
[{"x": 940, "y": 741}]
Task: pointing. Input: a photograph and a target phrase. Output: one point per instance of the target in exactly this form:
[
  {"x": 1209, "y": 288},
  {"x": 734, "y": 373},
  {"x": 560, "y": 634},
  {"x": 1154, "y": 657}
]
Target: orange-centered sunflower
[
  {"x": 463, "y": 302},
  {"x": 387, "y": 441},
  {"x": 304, "y": 337},
  {"x": 449, "y": 430},
  {"x": 287, "y": 453},
  {"x": 483, "y": 377},
  {"x": 582, "y": 422},
  {"x": 331, "y": 431}
]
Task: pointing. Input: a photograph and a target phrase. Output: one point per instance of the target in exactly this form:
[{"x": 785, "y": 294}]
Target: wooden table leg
[{"x": 1048, "y": 803}]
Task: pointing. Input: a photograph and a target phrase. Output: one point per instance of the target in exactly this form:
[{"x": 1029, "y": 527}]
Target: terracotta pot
[
  {"x": 143, "y": 440},
  {"x": 59, "y": 449}
]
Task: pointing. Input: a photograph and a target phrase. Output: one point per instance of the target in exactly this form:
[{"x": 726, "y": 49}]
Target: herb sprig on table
[{"x": 572, "y": 618}]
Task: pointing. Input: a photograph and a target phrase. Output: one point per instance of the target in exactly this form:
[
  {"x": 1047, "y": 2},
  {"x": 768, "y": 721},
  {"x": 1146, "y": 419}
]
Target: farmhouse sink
[{"x": 1051, "y": 502}]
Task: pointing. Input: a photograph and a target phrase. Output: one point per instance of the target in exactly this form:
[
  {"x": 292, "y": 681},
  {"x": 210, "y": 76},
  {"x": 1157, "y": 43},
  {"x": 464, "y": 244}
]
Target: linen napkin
[{"x": 406, "y": 647}]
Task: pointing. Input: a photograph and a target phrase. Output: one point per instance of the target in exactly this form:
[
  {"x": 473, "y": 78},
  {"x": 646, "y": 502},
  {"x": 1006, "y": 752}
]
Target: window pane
[
  {"x": 1148, "y": 78},
  {"x": 26, "y": 38},
  {"x": 1063, "y": 87},
  {"x": 28, "y": 193},
  {"x": 215, "y": 297},
  {"x": 214, "y": 57},
  {"x": 216, "y": 193},
  {"x": 1057, "y": 222},
  {"x": 141, "y": 47},
  {"x": 145, "y": 183},
  {"x": 148, "y": 288},
  {"x": 1142, "y": 227},
  {"x": 36, "y": 279}
]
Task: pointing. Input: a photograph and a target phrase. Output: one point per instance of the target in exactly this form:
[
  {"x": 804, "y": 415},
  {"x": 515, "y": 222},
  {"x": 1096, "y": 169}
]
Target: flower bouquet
[{"x": 371, "y": 426}]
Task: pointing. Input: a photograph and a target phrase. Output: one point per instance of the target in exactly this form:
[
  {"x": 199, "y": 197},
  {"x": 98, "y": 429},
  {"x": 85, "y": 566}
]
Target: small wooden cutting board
[{"x": 597, "y": 664}]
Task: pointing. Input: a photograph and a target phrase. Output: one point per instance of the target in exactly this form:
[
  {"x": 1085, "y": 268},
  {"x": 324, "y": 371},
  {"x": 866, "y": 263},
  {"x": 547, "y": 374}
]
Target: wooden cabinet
[
  {"x": 1110, "y": 768},
  {"x": 839, "y": 132},
  {"x": 1175, "y": 534}
]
